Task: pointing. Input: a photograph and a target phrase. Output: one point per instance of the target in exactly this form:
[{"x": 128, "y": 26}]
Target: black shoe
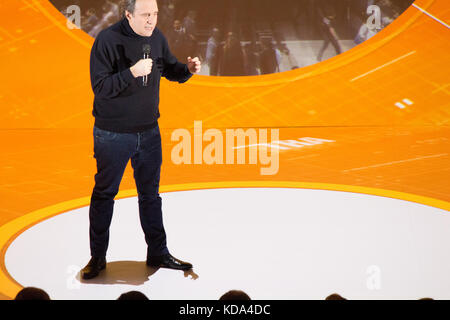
[
  {"x": 169, "y": 262},
  {"x": 93, "y": 268}
]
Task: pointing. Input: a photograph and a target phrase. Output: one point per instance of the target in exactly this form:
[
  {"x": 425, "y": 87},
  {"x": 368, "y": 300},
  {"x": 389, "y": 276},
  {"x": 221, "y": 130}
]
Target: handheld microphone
[{"x": 146, "y": 53}]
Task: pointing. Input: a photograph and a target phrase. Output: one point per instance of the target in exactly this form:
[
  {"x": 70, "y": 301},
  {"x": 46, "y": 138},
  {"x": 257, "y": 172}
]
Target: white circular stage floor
[{"x": 273, "y": 243}]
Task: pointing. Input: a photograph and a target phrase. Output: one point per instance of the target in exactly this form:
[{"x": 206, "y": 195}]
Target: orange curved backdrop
[{"x": 47, "y": 84}]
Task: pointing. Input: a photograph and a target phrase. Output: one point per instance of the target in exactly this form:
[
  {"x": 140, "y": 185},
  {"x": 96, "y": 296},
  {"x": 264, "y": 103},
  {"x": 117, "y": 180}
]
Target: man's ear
[{"x": 128, "y": 15}]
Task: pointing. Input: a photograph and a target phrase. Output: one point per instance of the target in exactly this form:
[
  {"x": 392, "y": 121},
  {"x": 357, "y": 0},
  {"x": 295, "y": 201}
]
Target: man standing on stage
[{"x": 126, "y": 88}]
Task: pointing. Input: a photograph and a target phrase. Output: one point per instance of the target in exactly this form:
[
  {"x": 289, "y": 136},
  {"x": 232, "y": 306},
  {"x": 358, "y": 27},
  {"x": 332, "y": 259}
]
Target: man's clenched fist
[
  {"x": 194, "y": 65},
  {"x": 142, "y": 68}
]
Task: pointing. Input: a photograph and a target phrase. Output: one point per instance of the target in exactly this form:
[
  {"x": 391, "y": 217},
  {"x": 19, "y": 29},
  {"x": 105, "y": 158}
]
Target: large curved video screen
[{"x": 253, "y": 37}]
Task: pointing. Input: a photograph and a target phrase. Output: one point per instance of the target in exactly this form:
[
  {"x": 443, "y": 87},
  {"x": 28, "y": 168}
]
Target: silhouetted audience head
[
  {"x": 235, "y": 295},
  {"x": 426, "y": 298},
  {"x": 32, "y": 293},
  {"x": 133, "y": 295},
  {"x": 335, "y": 296}
]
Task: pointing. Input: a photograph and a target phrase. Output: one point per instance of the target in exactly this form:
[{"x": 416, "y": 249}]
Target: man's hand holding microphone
[{"x": 142, "y": 68}]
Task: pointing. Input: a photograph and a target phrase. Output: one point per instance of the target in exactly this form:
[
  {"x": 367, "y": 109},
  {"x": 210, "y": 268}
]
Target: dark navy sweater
[{"x": 122, "y": 103}]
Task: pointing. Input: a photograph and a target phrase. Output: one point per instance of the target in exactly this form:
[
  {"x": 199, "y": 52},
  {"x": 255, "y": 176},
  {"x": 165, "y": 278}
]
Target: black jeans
[{"x": 113, "y": 151}]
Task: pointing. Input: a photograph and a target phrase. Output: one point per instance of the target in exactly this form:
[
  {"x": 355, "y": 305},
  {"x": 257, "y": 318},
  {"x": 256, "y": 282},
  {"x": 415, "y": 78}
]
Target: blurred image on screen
[{"x": 253, "y": 37}]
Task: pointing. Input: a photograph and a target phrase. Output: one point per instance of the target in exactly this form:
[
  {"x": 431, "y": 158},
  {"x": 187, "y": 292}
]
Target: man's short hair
[{"x": 129, "y": 5}]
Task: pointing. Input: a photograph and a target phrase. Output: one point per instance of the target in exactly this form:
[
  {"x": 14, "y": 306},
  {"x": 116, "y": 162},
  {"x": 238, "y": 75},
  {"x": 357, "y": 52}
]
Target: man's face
[{"x": 144, "y": 18}]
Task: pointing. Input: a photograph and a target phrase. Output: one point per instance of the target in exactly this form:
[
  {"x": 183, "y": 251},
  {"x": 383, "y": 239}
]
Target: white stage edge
[{"x": 273, "y": 243}]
